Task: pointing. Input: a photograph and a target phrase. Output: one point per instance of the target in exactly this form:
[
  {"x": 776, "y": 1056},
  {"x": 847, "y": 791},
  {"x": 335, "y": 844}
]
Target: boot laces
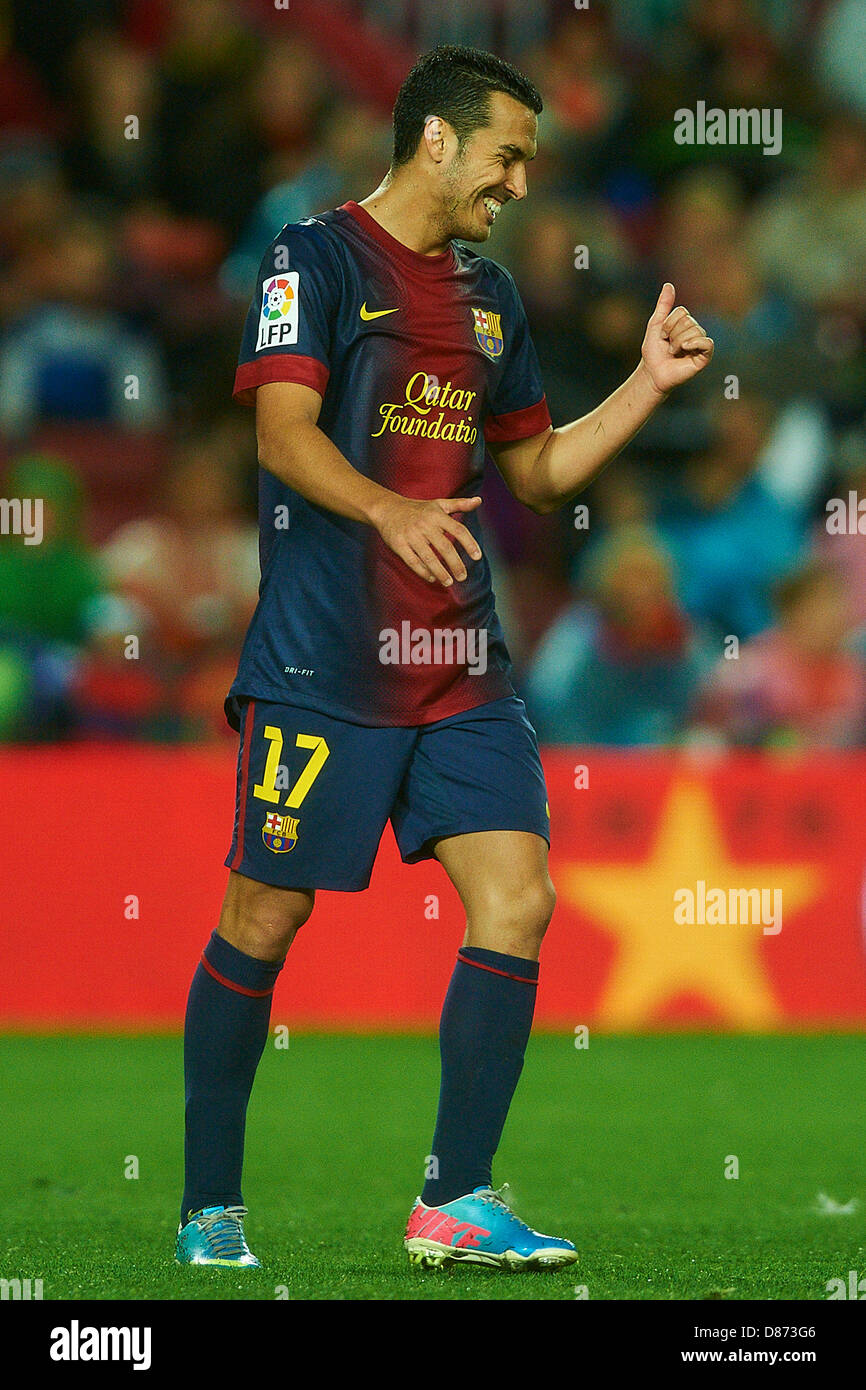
[{"x": 224, "y": 1231}]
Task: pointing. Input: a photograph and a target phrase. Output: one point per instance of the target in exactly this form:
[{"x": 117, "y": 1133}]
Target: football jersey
[{"x": 419, "y": 361}]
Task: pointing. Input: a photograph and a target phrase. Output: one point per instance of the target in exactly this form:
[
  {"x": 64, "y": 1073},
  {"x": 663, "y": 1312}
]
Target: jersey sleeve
[
  {"x": 518, "y": 407},
  {"x": 288, "y": 329}
]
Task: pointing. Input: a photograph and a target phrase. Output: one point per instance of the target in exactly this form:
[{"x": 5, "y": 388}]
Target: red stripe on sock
[
  {"x": 230, "y": 984},
  {"x": 492, "y": 968},
  {"x": 245, "y": 772}
]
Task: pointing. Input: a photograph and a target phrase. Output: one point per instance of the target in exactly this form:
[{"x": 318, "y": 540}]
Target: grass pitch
[{"x": 622, "y": 1147}]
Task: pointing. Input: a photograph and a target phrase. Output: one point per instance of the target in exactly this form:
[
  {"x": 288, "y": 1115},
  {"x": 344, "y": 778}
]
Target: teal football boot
[{"x": 215, "y": 1236}]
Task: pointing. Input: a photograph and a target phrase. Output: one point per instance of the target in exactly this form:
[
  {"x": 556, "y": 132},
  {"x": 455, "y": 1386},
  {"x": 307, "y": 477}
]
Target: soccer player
[{"x": 384, "y": 357}]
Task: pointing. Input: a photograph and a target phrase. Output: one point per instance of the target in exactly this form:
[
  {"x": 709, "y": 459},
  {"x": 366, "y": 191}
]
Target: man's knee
[
  {"x": 515, "y": 918},
  {"x": 531, "y": 909},
  {"x": 262, "y": 920}
]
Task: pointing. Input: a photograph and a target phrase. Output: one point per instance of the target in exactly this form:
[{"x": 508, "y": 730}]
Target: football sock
[
  {"x": 226, "y": 1027},
  {"x": 486, "y": 1021}
]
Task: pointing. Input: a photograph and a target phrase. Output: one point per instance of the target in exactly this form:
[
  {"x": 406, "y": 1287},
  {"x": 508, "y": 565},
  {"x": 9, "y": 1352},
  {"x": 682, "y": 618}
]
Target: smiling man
[{"x": 383, "y": 358}]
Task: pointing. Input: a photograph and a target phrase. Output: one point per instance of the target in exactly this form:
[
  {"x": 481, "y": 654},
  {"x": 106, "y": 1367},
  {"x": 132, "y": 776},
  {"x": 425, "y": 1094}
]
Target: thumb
[
  {"x": 459, "y": 504},
  {"x": 665, "y": 303}
]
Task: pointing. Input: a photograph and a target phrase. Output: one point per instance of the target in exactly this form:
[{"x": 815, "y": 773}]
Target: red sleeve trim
[
  {"x": 278, "y": 366},
  {"x": 518, "y": 424}
]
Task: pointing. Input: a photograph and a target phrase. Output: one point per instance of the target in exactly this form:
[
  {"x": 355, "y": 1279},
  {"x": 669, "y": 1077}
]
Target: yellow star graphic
[{"x": 660, "y": 958}]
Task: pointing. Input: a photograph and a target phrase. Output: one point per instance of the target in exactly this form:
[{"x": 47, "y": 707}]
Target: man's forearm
[
  {"x": 307, "y": 461},
  {"x": 575, "y": 453}
]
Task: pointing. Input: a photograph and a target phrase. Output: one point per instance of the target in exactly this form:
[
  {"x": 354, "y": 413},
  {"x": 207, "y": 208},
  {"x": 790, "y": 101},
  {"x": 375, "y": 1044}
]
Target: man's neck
[{"x": 398, "y": 206}]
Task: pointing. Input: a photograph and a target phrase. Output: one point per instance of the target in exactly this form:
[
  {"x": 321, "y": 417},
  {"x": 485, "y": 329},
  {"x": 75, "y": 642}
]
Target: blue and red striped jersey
[{"x": 419, "y": 361}]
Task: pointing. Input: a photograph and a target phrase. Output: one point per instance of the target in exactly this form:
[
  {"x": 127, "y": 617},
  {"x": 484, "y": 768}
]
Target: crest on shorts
[
  {"x": 280, "y": 833},
  {"x": 488, "y": 332}
]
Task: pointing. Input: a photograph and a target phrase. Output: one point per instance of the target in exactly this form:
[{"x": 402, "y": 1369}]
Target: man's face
[{"x": 489, "y": 170}]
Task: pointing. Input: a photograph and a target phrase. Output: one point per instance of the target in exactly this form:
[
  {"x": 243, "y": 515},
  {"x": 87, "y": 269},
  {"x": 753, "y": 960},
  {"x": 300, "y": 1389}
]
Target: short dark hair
[{"x": 455, "y": 83}]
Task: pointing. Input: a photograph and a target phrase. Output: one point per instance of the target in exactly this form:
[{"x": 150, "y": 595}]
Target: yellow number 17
[{"x": 266, "y": 790}]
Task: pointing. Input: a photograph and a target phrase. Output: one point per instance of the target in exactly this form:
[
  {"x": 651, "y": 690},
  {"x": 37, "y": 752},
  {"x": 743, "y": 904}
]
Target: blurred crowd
[{"x": 710, "y": 587}]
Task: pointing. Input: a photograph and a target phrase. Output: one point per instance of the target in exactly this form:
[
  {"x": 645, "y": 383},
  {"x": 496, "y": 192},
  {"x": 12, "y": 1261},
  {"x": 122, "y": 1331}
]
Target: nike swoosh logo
[{"x": 374, "y": 313}]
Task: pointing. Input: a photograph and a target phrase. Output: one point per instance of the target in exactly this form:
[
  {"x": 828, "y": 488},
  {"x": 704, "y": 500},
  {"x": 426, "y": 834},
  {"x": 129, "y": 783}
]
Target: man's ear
[{"x": 435, "y": 137}]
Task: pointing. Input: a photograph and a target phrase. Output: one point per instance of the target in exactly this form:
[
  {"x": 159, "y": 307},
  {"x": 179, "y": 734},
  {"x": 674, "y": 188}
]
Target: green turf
[{"x": 621, "y": 1147}]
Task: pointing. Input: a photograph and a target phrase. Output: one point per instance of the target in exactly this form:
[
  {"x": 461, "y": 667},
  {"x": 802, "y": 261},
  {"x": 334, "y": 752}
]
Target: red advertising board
[{"x": 725, "y": 894}]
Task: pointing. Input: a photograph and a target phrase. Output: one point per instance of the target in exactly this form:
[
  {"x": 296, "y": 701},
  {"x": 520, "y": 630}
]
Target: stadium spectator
[
  {"x": 744, "y": 318},
  {"x": 33, "y": 201},
  {"x": 188, "y": 578},
  {"x": 47, "y": 592},
  {"x": 586, "y": 93},
  {"x": 761, "y": 334},
  {"x": 621, "y": 666},
  {"x": 809, "y": 236},
  {"x": 71, "y": 357},
  {"x": 700, "y": 212},
  {"x": 730, "y": 535},
  {"x": 111, "y": 148},
  {"x": 45, "y": 587},
  {"x": 796, "y": 684},
  {"x": 208, "y": 154}
]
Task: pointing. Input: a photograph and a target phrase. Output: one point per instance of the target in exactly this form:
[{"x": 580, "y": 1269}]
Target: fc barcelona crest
[
  {"x": 280, "y": 833},
  {"x": 488, "y": 331}
]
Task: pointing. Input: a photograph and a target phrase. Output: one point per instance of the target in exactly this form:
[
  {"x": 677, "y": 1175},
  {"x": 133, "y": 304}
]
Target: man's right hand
[{"x": 421, "y": 533}]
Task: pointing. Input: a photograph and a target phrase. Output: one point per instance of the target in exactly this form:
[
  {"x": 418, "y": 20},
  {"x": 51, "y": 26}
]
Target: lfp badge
[
  {"x": 488, "y": 331},
  {"x": 278, "y": 319},
  {"x": 280, "y": 833}
]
